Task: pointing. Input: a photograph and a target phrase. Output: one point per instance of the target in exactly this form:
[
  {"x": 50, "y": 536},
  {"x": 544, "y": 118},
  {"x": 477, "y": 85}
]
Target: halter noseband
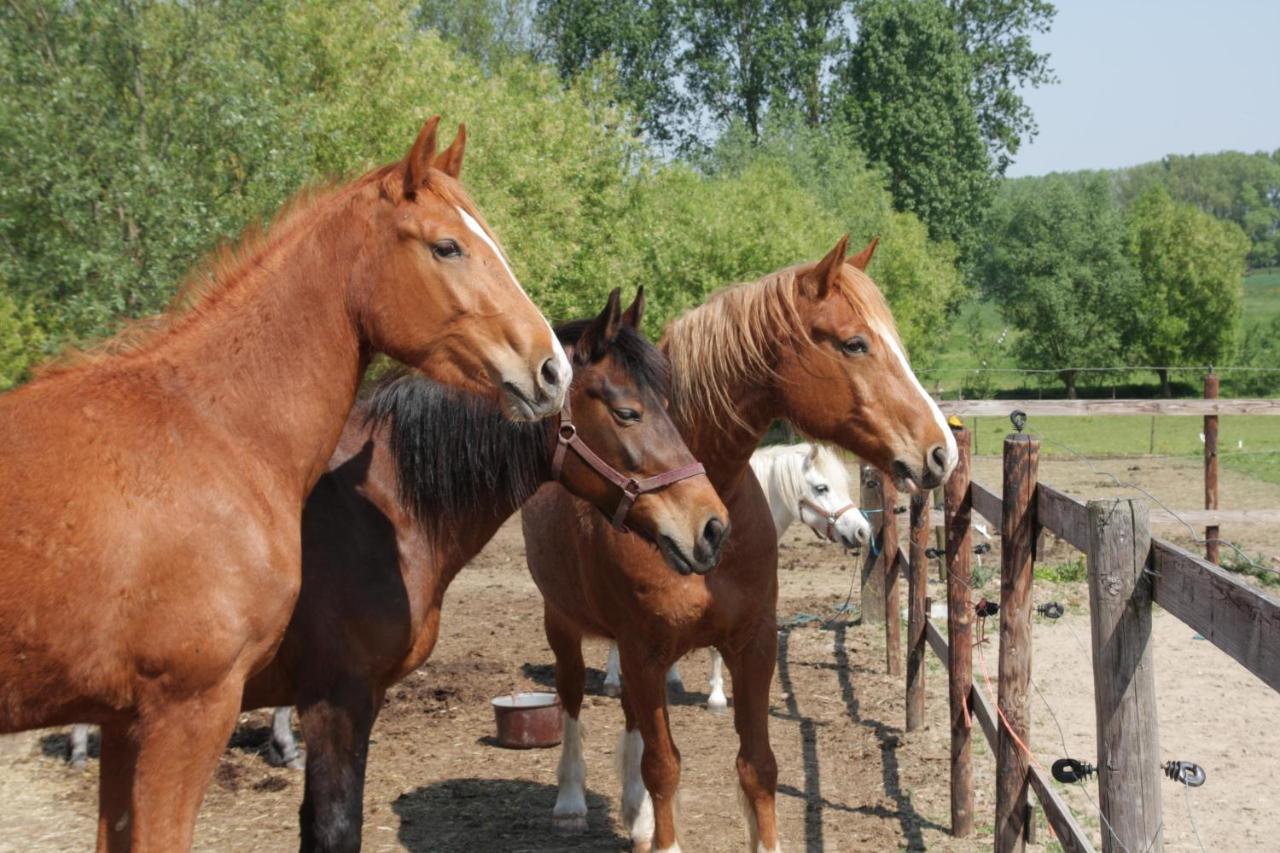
[
  {"x": 567, "y": 439},
  {"x": 829, "y": 517}
]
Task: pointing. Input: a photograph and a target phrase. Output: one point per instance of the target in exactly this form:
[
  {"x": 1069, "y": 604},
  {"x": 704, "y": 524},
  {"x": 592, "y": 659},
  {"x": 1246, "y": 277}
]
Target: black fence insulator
[
  {"x": 899, "y": 510},
  {"x": 934, "y": 553},
  {"x": 982, "y": 548},
  {"x": 1051, "y": 610},
  {"x": 1186, "y": 772},
  {"x": 1068, "y": 770},
  {"x": 986, "y": 608},
  {"x": 1018, "y": 418}
]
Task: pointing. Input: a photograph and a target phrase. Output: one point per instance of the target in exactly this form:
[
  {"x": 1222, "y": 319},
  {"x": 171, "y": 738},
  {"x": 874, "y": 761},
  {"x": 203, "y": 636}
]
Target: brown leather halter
[
  {"x": 829, "y": 517},
  {"x": 567, "y": 439}
]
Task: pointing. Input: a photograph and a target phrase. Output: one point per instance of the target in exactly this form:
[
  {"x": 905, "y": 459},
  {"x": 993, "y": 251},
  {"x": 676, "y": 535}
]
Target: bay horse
[
  {"x": 802, "y": 482},
  {"x": 420, "y": 482},
  {"x": 150, "y": 524},
  {"x": 816, "y": 345}
]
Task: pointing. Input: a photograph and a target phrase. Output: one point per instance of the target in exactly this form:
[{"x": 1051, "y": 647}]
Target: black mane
[{"x": 456, "y": 455}]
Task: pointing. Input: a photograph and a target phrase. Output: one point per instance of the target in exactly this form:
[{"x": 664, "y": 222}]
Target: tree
[
  {"x": 996, "y": 35},
  {"x": 1057, "y": 268},
  {"x": 1191, "y": 266},
  {"x": 21, "y": 340},
  {"x": 905, "y": 88}
]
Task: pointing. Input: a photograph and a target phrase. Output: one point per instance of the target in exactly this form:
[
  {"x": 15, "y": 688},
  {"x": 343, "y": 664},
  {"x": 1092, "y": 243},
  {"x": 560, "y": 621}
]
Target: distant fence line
[
  {"x": 1000, "y": 408},
  {"x": 1129, "y": 368}
]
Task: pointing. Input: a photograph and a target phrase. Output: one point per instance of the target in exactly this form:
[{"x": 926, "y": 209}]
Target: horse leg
[
  {"x": 752, "y": 672},
  {"x": 178, "y": 746},
  {"x": 613, "y": 673},
  {"x": 79, "y": 746},
  {"x": 119, "y": 756},
  {"x": 336, "y": 729},
  {"x": 650, "y": 760},
  {"x": 717, "y": 701},
  {"x": 570, "y": 812},
  {"x": 282, "y": 750}
]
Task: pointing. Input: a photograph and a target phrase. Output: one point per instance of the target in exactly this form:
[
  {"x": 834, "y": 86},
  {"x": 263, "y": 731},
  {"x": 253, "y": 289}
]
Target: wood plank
[
  {"x": 893, "y": 562},
  {"x": 917, "y": 613},
  {"x": 1057, "y": 519},
  {"x": 1070, "y": 834},
  {"x": 987, "y": 503},
  {"x": 958, "y": 499},
  {"x": 1229, "y": 613},
  {"x": 1017, "y": 539},
  {"x": 1063, "y": 516},
  {"x": 1124, "y": 684},
  {"x": 1057, "y": 408}
]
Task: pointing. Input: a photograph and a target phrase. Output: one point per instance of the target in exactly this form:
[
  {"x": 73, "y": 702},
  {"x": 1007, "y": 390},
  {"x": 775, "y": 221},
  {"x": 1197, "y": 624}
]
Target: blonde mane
[{"x": 731, "y": 339}]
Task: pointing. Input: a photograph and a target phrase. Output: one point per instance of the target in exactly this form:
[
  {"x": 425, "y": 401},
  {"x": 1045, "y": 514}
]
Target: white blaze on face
[
  {"x": 562, "y": 361},
  {"x": 953, "y": 455}
]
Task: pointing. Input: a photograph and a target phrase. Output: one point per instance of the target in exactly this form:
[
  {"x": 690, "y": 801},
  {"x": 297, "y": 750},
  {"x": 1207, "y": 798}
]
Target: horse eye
[
  {"x": 446, "y": 249},
  {"x": 821, "y": 489},
  {"x": 857, "y": 345},
  {"x": 628, "y": 415}
]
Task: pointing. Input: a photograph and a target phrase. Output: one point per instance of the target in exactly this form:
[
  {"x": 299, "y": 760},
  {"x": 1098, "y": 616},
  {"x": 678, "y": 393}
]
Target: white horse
[{"x": 802, "y": 482}]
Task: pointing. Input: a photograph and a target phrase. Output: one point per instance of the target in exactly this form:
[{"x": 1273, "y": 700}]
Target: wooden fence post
[
  {"x": 1211, "y": 468},
  {"x": 1120, "y": 594},
  {"x": 873, "y": 565},
  {"x": 917, "y": 586},
  {"x": 958, "y": 515},
  {"x": 940, "y": 535},
  {"x": 1017, "y": 538},
  {"x": 892, "y": 577}
]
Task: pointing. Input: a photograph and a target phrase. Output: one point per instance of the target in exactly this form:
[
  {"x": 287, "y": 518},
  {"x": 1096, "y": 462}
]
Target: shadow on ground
[{"x": 498, "y": 814}]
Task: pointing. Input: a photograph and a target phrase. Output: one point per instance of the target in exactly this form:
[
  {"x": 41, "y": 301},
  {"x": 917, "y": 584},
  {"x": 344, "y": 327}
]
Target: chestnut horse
[
  {"x": 802, "y": 482},
  {"x": 813, "y": 344},
  {"x": 150, "y": 523},
  {"x": 420, "y": 482}
]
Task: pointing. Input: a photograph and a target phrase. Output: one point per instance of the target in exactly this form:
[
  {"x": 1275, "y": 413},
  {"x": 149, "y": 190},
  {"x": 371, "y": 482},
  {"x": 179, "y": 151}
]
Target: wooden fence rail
[{"x": 1128, "y": 572}]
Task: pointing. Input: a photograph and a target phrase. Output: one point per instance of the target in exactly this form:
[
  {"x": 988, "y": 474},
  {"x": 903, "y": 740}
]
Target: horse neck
[
  {"x": 276, "y": 358},
  {"x": 775, "y": 491}
]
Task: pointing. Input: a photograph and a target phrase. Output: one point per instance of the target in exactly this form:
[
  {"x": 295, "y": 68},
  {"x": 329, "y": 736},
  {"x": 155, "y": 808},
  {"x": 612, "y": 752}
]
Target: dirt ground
[{"x": 850, "y": 778}]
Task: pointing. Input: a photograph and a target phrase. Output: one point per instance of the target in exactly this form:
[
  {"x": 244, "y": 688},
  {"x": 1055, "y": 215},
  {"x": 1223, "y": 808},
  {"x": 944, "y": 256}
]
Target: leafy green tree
[
  {"x": 1192, "y": 268},
  {"x": 996, "y": 35},
  {"x": 905, "y": 87},
  {"x": 21, "y": 340},
  {"x": 1232, "y": 185},
  {"x": 1057, "y": 267}
]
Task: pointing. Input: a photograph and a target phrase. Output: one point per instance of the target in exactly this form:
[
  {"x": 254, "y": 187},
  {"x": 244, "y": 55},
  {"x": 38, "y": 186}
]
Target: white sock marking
[{"x": 571, "y": 774}]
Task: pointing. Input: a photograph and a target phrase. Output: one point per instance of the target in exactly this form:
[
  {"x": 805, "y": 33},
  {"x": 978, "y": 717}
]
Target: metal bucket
[{"x": 528, "y": 720}]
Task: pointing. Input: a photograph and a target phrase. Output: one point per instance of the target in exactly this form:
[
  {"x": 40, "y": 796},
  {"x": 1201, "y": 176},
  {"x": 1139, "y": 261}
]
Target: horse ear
[
  {"x": 635, "y": 312},
  {"x": 860, "y": 260},
  {"x": 599, "y": 336},
  {"x": 824, "y": 275},
  {"x": 813, "y": 453},
  {"x": 449, "y": 160},
  {"x": 418, "y": 160}
]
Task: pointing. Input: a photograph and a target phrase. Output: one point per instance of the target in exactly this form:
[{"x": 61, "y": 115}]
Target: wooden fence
[{"x": 1128, "y": 571}]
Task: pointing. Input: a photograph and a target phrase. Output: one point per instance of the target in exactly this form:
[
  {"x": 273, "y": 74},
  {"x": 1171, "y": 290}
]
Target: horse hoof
[
  {"x": 612, "y": 690},
  {"x": 79, "y": 762},
  {"x": 298, "y": 762},
  {"x": 717, "y": 705},
  {"x": 295, "y": 760},
  {"x": 569, "y": 824}
]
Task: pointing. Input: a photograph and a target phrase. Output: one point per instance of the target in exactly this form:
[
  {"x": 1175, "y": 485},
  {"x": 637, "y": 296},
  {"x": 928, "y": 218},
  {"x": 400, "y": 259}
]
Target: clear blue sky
[{"x": 1139, "y": 80}]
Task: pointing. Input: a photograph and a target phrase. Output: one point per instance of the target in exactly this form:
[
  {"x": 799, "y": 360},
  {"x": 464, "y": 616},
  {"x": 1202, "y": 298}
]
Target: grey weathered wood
[
  {"x": 1211, "y": 469},
  {"x": 959, "y": 516},
  {"x": 872, "y": 600},
  {"x": 1235, "y": 617},
  {"x": 987, "y": 503},
  {"x": 917, "y": 587},
  {"x": 893, "y": 571},
  {"x": 1017, "y": 538},
  {"x": 1062, "y": 520},
  {"x": 1068, "y": 831},
  {"x": 1055, "y": 408},
  {"x": 1120, "y": 596}
]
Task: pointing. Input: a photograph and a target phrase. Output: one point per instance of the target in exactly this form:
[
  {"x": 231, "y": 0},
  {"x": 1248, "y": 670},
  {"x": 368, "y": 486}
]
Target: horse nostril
[
  {"x": 713, "y": 533},
  {"x": 938, "y": 458},
  {"x": 550, "y": 373}
]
